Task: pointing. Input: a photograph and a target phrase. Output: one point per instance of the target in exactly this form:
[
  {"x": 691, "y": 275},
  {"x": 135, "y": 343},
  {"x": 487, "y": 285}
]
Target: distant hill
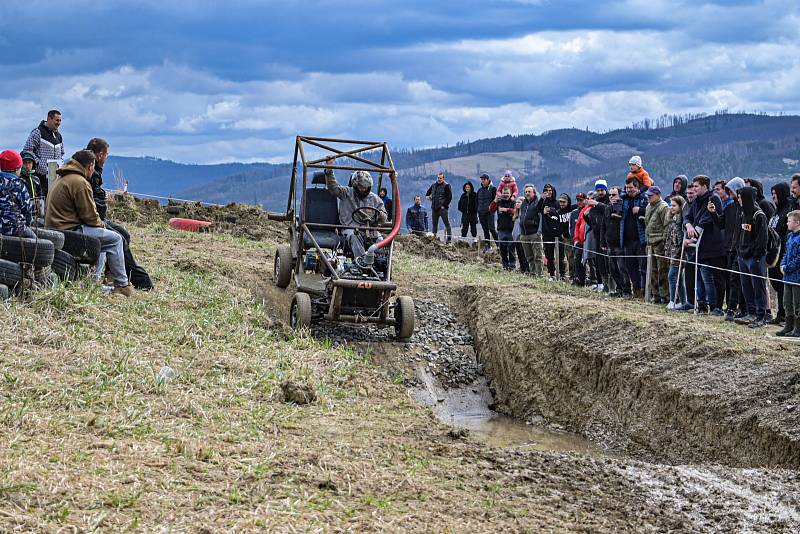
[{"x": 722, "y": 145}]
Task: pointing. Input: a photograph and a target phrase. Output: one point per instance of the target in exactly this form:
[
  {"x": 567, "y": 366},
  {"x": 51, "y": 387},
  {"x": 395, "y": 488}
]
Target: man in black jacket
[
  {"x": 711, "y": 250},
  {"x": 730, "y": 221},
  {"x": 529, "y": 214},
  {"x": 486, "y": 194},
  {"x": 611, "y": 245},
  {"x": 596, "y": 218},
  {"x": 468, "y": 206},
  {"x": 440, "y": 196},
  {"x": 551, "y": 229},
  {"x": 137, "y": 276}
]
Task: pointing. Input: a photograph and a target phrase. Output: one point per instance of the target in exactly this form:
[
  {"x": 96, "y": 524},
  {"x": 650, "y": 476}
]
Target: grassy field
[{"x": 96, "y": 435}]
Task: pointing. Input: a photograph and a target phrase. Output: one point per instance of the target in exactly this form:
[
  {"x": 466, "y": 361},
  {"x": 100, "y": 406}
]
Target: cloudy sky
[{"x": 204, "y": 81}]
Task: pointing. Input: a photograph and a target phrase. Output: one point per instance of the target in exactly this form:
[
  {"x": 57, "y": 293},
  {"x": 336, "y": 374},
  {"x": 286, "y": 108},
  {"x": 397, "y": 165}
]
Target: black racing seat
[{"x": 321, "y": 208}]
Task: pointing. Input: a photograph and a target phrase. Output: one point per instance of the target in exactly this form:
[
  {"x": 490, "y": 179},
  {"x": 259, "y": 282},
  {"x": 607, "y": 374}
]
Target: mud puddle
[{"x": 469, "y": 408}]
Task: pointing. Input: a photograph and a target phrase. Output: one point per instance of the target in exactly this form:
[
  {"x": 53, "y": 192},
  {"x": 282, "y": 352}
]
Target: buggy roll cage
[{"x": 386, "y": 166}]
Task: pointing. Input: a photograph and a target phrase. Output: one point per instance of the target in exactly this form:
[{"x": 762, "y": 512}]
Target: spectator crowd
[
  {"x": 75, "y": 200},
  {"x": 712, "y": 248}
]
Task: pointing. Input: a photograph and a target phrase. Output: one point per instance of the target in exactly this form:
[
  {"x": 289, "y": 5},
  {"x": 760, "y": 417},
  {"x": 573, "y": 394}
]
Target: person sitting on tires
[
  {"x": 16, "y": 205},
  {"x": 351, "y": 198},
  {"x": 70, "y": 206}
]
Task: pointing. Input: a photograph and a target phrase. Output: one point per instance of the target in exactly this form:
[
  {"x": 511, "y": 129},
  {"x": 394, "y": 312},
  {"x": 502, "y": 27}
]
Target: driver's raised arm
[{"x": 333, "y": 186}]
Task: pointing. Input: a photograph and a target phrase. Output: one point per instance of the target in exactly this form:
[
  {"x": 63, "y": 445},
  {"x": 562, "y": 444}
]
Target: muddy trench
[{"x": 673, "y": 400}]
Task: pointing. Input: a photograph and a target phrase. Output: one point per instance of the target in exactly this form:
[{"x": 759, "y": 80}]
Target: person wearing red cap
[{"x": 16, "y": 205}]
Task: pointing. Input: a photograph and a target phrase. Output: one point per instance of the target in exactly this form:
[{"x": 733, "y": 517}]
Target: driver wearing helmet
[{"x": 357, "y": 195}]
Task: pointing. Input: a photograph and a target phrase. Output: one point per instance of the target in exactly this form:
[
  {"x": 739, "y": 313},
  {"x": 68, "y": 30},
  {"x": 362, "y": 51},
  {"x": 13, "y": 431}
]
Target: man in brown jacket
[{"x": 70, "y": 206}]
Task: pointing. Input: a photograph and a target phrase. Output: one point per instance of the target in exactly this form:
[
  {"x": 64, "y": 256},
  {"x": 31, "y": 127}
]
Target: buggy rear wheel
[
  {"x": 404, "y": 317},
  {"x": 282, "y": 271},
  {"x": 300, "y": 312}
]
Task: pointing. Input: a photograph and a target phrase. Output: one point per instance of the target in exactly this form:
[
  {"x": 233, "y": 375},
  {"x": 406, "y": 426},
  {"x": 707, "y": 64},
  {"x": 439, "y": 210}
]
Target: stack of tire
[{"x": 26, "y": 264}]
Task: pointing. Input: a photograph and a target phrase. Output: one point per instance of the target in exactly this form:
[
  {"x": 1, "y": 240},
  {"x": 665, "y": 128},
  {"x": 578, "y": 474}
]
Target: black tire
[
  {"x": 37, "y": 252},
  {"x": 84, "y": 248},
  {"x": 404, "y": 317},
  {"x": 11, "y": 276},
  {"x": 300, "y": 312},
  {"x": 65, "y": 266},
  {"x": 175, "y": 210},
  {"x": 54, "y": 236},
  {"x": 4, "y": 293},
  {"x": 282, "y": 270}
]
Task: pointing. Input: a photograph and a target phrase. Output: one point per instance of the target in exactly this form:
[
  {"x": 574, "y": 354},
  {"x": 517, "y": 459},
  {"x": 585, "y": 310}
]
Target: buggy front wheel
[{"x": 404, "y": 317}]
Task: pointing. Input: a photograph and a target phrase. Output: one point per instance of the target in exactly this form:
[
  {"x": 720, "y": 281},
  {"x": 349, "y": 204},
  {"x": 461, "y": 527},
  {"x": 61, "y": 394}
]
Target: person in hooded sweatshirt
[
  {"x": 752, "y": 256},
  {"x": 730, "y": 221},
  {"x": 551, "y": 229},
  {"x": 486, "y": 194},
  {"x": 764, "y": 203},
  {"x": 679, "y": 186},
  {"x": 596, "y": 218},
  {"x": 673, "y": 249},
  {"x": 565, "y": 208},
  {"x": 781, "y": 197},
  {"x": 468, "y": 206}
]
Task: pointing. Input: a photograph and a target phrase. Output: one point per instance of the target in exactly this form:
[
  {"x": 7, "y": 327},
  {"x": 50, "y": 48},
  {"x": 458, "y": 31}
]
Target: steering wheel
[{"x": 366, "y": 215}]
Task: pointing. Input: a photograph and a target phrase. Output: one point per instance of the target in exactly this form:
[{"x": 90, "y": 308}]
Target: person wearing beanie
[
  {"x": 638, "y": 172},
  {"x": 730, "y": 221},
  {"x": 16, "y": 205},
  {"x": 71, "y": 206}
]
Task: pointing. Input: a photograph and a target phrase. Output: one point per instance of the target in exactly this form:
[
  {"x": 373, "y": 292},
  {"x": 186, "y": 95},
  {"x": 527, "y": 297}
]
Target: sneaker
[
  {"x": 600, "y": 287},
  {"x": 126, "y": 291},
  {"x": 716, "y": 312},
  {"x": 758, "y": 323},
  {"x": 684, "y": 307},
  {"x": 729, "y": 316},
  {"x": 106, "y": 289},
  {"x": 702, "y": 308},
  {"x": 670, "y": 305},
  {"x": 747, "y": 319},
  {"x": 593, "y": 287}
]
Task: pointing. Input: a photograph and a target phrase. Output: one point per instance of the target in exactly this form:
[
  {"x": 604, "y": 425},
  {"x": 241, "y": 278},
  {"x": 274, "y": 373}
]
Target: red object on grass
[{"x": 190, "y": 225}]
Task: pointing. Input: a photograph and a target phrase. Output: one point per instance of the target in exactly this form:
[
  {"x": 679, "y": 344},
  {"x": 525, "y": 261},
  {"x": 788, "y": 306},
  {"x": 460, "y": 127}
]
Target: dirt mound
[
  {"x": 638, "y": 377},
  {"x": 457, "y": 251},
  {"x": 239, "y": 220}
]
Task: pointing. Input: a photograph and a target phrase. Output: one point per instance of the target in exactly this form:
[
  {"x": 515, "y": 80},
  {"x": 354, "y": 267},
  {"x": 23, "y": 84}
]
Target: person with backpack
[{"x": 752, "y": 257}]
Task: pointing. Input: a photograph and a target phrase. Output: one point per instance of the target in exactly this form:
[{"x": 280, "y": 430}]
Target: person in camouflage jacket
[{"x": 16, "y": 205}]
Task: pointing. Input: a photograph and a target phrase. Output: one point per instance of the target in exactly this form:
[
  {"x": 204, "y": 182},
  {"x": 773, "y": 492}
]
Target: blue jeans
[
  {"x": 111, "y": 251},
  {"x": 706, "y": 290},
  {"x": 754, "y": 289},
  {"x": 677, "y": 288}
]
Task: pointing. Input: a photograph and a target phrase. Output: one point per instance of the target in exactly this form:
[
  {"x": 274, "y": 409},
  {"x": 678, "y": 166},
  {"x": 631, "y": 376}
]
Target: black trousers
[
  {"x": 137, "y": 276},
  {"x": 487, "y": 224},
  {"x": 550, "y": 254},
  {"x": 733, "y": 293},
  {"x": 469, "y": 223},
  {"x": 578, "y": 267}
]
